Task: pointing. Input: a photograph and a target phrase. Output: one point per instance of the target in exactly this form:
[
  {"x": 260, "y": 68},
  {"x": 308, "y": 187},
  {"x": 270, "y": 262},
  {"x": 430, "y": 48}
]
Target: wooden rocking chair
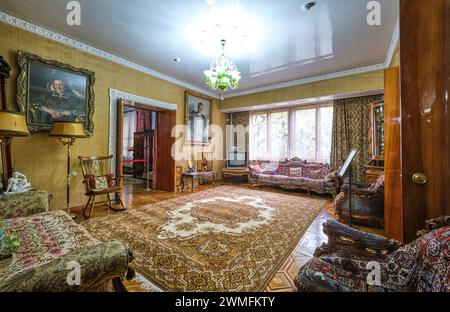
[{"x": 99, "y": 180}]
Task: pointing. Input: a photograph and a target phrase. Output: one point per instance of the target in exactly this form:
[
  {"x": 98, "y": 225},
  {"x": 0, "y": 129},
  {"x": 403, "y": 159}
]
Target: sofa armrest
[
  {"x": 98, "y": 265},
  {"x": 344, "y": 238},
  {"x": 24, "y": 204}
]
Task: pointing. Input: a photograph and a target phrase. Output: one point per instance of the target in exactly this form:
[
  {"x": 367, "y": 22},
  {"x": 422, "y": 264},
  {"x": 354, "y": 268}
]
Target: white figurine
[{"x": 18, "y": 183}]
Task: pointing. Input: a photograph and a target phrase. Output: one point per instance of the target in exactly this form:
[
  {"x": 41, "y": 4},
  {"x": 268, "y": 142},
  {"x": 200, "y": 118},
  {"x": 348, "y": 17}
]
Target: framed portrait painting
[
  {"x": 49, "y": 91},
  {"x": 198, "y": 119}
]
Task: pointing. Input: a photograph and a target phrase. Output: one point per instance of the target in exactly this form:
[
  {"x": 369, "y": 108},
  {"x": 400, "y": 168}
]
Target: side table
[
  {"x": 230, "y": 174},
  {"x": 197, "y": 175}
]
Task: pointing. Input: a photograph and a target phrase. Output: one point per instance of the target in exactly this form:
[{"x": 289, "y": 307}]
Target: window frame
[{"x": 291, "y": 129}]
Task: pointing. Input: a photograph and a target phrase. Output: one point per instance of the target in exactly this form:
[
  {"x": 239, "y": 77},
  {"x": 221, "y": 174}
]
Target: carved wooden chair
[
  {"x": 99, "y": 180},
  {"x": 367, "y": 203},
  {"x": 348, "y": 260}
]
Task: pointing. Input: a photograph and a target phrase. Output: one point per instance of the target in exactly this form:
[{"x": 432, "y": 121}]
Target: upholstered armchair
[
  {"x": 367, "y": 203},
  {"x": 51, "y": 246},
  {"x": 350, "y": 260}
]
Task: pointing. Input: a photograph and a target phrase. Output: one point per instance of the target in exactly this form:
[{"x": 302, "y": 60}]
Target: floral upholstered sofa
[
  {"x": 294, "y": 174},
  {"x": 50, "y": 246}
]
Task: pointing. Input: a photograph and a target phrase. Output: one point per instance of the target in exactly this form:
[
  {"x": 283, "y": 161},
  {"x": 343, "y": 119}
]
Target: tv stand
[{"x": 235, "y": 174}]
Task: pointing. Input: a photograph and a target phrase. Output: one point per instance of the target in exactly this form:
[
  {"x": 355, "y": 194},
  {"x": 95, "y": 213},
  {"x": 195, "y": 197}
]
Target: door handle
[{"x": 419, "y": 178}]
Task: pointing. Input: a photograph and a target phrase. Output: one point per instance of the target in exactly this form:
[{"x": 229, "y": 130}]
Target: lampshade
[
  {"x": 13, "y": 124},
  {"x": 65, "y": 129}
]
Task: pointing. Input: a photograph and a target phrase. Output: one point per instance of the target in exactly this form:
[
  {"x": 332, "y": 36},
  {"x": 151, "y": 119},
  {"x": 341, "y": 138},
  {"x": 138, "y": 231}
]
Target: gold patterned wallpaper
[
  {"x": 42, "y": 158},
  {"x": 356, "y": 83}
]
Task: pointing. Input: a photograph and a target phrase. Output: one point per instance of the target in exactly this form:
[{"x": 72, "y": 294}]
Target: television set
[{"x": 237, "y": 160}]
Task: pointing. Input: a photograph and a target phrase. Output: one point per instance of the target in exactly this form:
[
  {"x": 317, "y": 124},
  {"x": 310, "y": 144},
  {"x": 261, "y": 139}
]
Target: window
[
  {"x": 298, "y": 132},
  {"x": 269, "y": 136}
]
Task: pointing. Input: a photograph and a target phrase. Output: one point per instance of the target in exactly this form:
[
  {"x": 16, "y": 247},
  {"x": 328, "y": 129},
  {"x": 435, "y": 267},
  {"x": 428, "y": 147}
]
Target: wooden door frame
[{"x": 165, "y": 121}]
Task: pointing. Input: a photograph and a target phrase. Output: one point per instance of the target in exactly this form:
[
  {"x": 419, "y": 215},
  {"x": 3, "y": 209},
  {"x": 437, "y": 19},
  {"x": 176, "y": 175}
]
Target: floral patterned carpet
[{"x": 221, "y": 239}]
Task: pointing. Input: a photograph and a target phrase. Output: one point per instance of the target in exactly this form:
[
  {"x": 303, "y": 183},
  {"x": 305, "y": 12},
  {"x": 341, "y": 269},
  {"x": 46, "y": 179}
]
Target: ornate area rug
[{"x": 222, "y": 239}]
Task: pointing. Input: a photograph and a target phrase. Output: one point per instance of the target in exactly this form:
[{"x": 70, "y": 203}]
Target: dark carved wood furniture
[
  {"x": 374, "y": 169},
  {"x": 99, "y": 180},
  {"x": 197, "y": 176},
  {"x": 367, "y": 203},
  {"x": 5, "y": 149},
  {"x": 229, "y": 175},
  {"x": 352, "y": 259},
  {"x": 178, "y": 173},
  {"x": 143, "y": 155}
]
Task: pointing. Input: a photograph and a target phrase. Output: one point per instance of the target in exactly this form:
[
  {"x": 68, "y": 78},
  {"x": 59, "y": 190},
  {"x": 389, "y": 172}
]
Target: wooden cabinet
[{"x": 374, "y": 169}]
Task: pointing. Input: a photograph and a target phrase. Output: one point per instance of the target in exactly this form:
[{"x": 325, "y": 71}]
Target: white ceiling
[{"x": 293, "y": 44}]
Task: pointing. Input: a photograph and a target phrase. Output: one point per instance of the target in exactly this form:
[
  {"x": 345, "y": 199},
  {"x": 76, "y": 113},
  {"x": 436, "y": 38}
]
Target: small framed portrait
[
  {"x": 198, "y": 119},
  {"x": 49, "y": 91}
]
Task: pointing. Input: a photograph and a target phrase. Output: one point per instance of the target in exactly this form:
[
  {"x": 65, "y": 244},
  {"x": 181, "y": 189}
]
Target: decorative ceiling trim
[
  {"x": 114, "y": 96},
  {"x": 394, "y": 42},
  {"x": 19, "y": 23},
  {"x": 293, "y": 83}
]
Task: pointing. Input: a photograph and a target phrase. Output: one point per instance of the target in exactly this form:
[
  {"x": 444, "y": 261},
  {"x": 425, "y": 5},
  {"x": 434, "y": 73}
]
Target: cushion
[
  {"x": 295, "y": 172},
  {"x": 283, "y": 170},
  {"x": 99, "y": 183},
  {"x": 330, "y": 177},
  {"x": 255, "y": 168},
  {"x": 270, "y": 168},
  {"x": 9, "y": 243}
]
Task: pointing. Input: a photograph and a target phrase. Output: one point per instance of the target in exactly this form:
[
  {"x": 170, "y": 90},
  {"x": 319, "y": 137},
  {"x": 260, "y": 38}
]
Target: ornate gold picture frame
[
  {"x": 198, "y": 112},
  {"x": 49, "y": 91}
]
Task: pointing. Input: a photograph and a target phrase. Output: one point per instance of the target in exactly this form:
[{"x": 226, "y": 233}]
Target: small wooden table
[
  {"x": 197, "y": 175},
  {"x": 229, "y": 174}
]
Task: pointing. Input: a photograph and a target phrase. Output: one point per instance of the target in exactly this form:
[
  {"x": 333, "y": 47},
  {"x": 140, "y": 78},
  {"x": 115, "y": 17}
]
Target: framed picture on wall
[
  {"x": 198, "y": 119},
  {"x": 49, "y": 91}
]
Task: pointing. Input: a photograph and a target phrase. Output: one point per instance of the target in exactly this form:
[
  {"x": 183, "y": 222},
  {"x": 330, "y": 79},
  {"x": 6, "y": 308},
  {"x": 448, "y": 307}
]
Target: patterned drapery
[
  {"x": 351, "y": 121},
  {"x": 241, "y": 119}
]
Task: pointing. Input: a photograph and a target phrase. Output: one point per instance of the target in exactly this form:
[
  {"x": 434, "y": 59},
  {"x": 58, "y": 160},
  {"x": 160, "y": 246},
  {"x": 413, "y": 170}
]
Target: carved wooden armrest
[
  {"x": 434, "y": 224},
  {"x": 344, "y": 238}
]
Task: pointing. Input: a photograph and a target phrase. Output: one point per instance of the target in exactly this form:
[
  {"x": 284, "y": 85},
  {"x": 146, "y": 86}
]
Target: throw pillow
[
  {"x": 101, "y": 183},
  {"x": 270, "y": 168},
  {"x": 330, "y": 177},
  {"x": 9, "y": 243},
  {"x": 255, "y": 168},
  {"x": 295, "y": 172}
]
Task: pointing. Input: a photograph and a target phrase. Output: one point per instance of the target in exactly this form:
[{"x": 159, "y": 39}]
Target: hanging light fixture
[{"x": 223, "y": 73}]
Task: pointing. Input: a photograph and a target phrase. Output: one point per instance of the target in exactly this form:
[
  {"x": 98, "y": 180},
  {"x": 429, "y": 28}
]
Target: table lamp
[
  {"x": 67, "y": 133},
  {"x": 12, "y": 125}
]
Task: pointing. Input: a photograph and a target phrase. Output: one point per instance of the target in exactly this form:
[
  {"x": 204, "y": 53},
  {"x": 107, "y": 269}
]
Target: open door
[{"x": 424, "y": 150}]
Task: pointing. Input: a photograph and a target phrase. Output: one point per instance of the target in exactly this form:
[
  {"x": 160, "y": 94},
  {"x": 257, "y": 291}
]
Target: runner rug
[{"x": 221, "y": 239}]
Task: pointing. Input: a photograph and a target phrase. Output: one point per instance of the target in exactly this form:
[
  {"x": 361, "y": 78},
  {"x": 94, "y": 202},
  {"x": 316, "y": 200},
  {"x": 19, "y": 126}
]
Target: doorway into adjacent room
[{"x": 138, "y": 147}]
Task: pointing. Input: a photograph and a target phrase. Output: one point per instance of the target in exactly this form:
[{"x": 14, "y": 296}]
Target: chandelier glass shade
[{"x": 223, "y": 73}]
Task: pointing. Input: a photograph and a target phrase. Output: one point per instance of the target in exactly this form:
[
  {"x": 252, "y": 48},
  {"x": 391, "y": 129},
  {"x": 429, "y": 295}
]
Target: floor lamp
[
  {"x": 67, "y": 133},
  {"x": 11, "y": 125}
]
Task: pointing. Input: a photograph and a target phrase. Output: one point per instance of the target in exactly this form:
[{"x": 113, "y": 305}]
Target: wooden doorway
[
  {"x": 419, "y": 166},
  {"x": 163, "y": 163}
]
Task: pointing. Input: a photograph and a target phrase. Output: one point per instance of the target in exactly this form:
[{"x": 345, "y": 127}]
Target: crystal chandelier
[{"x": 223, "y": 73}]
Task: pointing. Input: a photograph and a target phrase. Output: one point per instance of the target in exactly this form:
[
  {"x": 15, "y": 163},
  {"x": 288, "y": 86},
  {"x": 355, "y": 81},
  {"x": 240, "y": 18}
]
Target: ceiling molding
[
  {"x": 394, "y": 42},
  {"x": 19, "y": 23},
  {"x": 293, "y": 83}
]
